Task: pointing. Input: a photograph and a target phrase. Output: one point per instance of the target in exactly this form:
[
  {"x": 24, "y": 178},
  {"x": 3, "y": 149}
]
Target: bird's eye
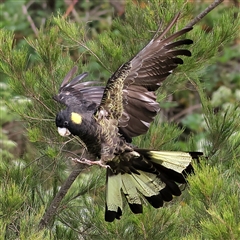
[{"x": 65, "y": 124}]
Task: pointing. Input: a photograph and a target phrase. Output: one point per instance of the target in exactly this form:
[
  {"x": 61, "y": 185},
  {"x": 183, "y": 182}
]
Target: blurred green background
[{"x": 32, "y": 169}]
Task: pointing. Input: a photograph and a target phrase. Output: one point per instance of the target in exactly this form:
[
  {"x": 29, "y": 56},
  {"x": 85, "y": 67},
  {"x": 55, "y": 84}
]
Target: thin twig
[
  {"x": 68, "y": 225},
  {"x": 185, "y": 112},
  {"x": 32, "y": 24},
  {"x": 204, "y": 13},
  {"x": 93, "y": 53},
  {"x": 70, "y": 8}
]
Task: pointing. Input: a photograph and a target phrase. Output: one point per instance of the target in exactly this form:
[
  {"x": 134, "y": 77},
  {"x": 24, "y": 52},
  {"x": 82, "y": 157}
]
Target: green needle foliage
[{"x": 208, "y": 209}]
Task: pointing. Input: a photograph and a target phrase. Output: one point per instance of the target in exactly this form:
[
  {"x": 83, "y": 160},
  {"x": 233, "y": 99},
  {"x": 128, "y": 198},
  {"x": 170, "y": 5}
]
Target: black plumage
[{"x": 106, "y": 120}]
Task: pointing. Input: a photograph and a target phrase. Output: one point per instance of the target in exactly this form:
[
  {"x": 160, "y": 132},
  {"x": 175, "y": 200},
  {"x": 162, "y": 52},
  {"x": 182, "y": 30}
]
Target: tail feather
[
  {"x": 154, "y": 175},
  {"x": 176, "y": 161},
  {"x": 113, "y": 196},
  {"x": 130, "y": 190},
  {"x": 131, "y": 193},
  {"x": 144, "y": 184},
  {"x": 156, "y": 200},
  {"x": 166, "y": 194}
]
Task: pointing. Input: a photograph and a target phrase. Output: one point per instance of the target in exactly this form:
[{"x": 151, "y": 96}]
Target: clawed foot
[{"x": 89, "y": 162}]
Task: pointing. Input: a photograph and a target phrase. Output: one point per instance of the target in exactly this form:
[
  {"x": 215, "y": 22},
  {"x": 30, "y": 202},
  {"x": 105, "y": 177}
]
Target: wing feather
[
  {"x": 77, "y": 92},
  {"x": 129, "y": 94}
]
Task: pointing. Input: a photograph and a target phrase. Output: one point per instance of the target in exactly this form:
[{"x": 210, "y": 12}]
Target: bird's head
[{"x": 68, "y": 122}]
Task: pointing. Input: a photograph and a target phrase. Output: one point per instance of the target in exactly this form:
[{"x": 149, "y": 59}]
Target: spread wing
[
  {"x": 129, "y": 94},
  {"x": 77, "y": 92}
]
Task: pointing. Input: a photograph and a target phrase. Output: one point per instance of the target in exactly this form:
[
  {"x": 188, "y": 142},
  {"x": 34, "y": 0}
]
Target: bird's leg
[{"x": 89, "y": 162}]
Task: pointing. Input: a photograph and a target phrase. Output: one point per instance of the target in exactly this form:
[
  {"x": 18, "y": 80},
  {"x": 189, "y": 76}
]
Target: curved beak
[{"x": 63, "y": 132}]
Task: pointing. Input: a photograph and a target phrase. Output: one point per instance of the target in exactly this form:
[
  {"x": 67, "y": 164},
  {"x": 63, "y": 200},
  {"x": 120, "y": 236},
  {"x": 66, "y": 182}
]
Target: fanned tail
[{"x": 154, "y": 176}]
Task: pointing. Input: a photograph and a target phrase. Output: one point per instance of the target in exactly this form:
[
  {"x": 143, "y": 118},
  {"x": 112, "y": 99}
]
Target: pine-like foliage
[{"x": 208, "y": 209}]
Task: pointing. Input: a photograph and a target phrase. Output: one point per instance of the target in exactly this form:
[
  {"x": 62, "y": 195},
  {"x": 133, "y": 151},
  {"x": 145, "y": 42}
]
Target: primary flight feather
[{"x": 106, "y": 120}]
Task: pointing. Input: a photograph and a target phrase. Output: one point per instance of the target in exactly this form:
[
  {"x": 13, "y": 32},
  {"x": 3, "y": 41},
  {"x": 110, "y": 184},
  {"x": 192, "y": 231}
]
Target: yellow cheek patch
[{"x": 76, "y": 118}]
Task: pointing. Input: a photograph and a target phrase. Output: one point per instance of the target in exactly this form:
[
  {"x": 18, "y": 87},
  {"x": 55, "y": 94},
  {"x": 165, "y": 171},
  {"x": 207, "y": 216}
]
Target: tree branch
[
  {"x": 52, "y": 209},
  {"x": 204, "y": 13}
]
